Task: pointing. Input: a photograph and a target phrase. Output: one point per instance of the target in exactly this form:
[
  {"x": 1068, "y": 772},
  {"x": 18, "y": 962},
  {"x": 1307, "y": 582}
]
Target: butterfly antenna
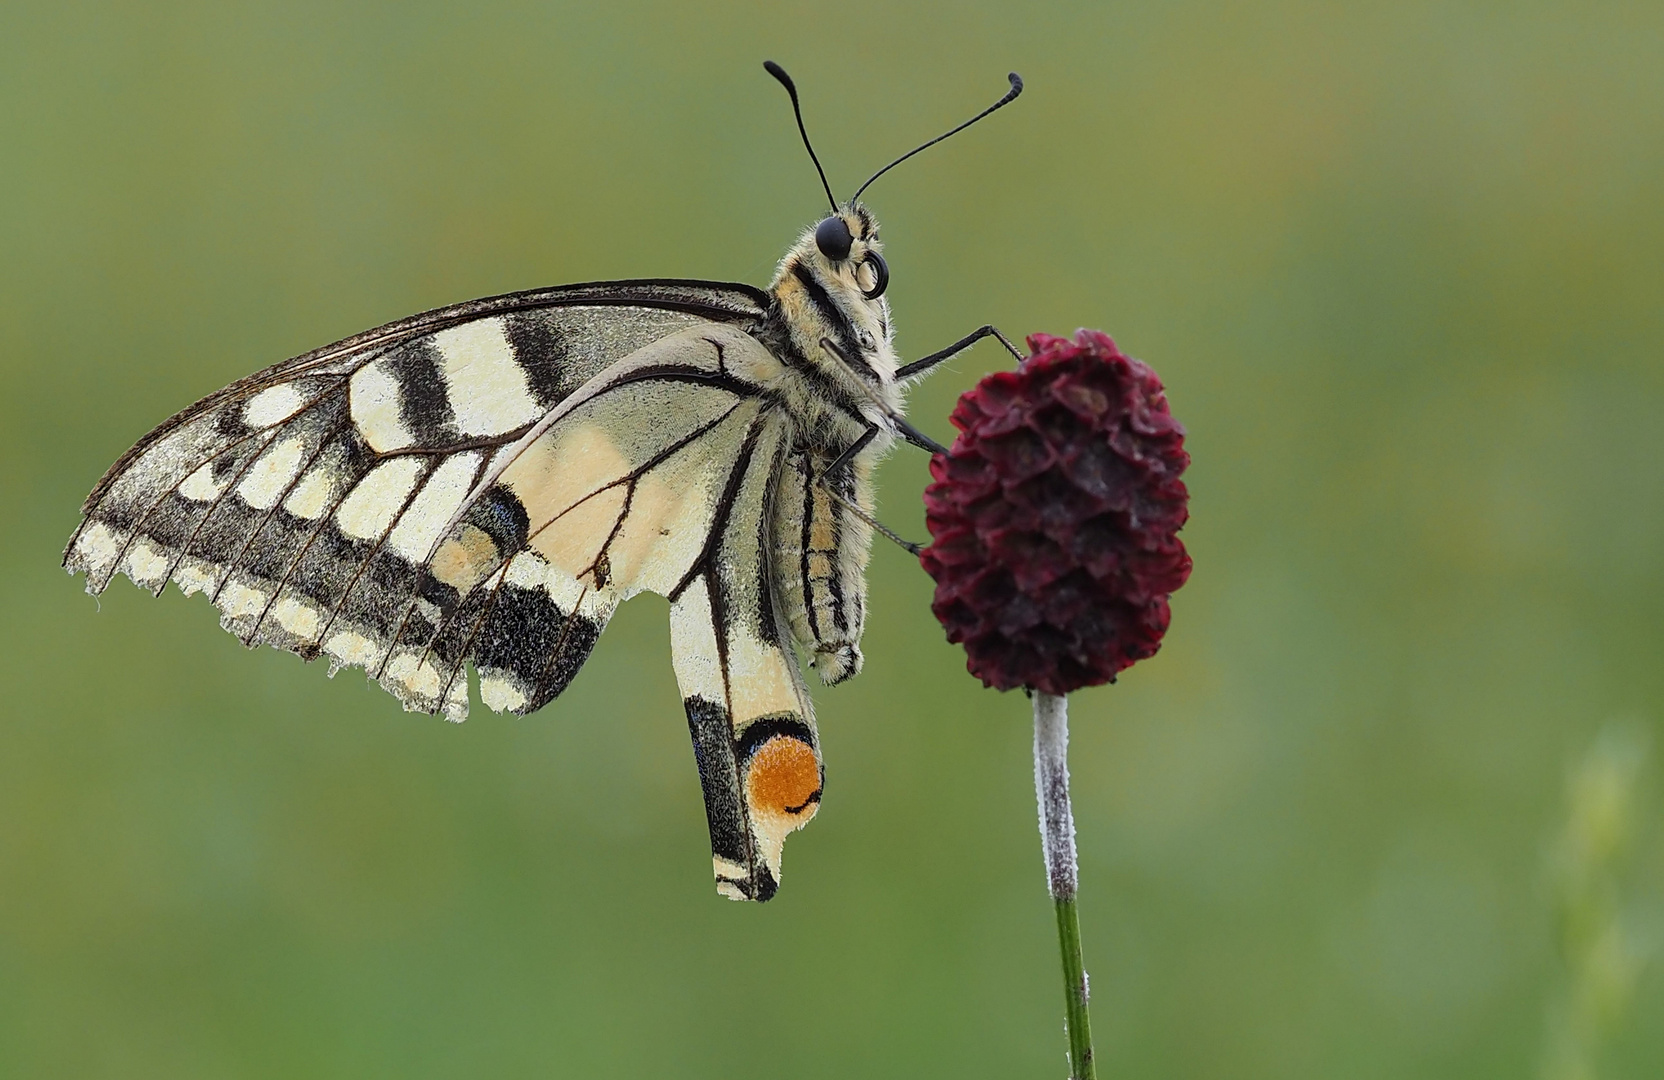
[
  {"x": 1010, "y": 96},
  {"x": 791, "y": 88}
]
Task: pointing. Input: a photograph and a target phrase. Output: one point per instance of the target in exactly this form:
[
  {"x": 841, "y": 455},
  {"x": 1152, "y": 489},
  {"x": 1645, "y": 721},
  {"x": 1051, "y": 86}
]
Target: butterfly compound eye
[{"x": 833, "y": 239}]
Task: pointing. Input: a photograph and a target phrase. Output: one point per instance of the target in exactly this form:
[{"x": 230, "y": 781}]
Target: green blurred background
[{"x": 1400, "y": 266}]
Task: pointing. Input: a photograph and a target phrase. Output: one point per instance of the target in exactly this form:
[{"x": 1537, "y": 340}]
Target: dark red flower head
[{"x": 1054, "y": 518}]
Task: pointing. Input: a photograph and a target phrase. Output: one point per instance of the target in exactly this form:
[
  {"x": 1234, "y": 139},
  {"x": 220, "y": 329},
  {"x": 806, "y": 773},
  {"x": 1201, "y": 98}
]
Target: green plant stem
[
  {"x": 1057, "y": 840},
  {"x": 1074, "y": 993}
]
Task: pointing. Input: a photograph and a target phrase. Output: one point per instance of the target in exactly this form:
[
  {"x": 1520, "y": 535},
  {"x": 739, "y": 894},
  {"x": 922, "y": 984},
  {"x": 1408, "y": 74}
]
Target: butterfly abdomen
[{"x": 822, "y": 555}]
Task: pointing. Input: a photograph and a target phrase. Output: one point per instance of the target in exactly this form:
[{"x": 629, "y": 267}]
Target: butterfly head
[
  {"x": 848, "y": 245},
  {"x": 829, "y": 297}
]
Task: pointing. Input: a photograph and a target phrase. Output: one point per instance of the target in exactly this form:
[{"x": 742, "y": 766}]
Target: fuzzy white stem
[{"x": 1051, "y": 790}]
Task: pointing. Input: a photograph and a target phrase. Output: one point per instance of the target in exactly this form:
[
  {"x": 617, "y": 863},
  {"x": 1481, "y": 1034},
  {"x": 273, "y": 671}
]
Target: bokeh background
[{"x": 1400, "y": 267}]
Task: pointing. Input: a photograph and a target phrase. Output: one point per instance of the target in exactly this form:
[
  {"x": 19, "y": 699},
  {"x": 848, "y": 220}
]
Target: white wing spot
[
  {"x": 726, "y": 871},
  {"x": 269, "y": 478},
  {"x": 488, "y": 391},
  {"x": 366, "y": 513},
  {"x": 238, "y": 599},
  {"x": 350, "y": 648},
  {"x": 299, "y": 619},
  {"x": 313, "y": 494},
  {"x": 501, "y": 695},
  {"x": 527, "y": 570},
  {"x": 273, "y": 405},
  {"x": 456, "y": 701},
  {"x": 567, "y": 592},
  {"x": 374, "y": 400},
  {"x": 146, "y": 565},
  {"x": 421, "y": 679},
  {"x": 97, "y": 546},
  {"x": 201, "y": 486},
  {"x": 194, "y": 576},
  {"x": 418, "y": 530}
]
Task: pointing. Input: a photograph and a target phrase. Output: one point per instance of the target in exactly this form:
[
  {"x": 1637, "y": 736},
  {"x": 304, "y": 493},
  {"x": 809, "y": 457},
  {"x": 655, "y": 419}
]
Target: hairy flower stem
[{"x": 1057, "y": 840}]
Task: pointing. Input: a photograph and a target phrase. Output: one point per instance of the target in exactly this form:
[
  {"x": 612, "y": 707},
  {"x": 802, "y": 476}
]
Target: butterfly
[{"x": 484, "y": 483}]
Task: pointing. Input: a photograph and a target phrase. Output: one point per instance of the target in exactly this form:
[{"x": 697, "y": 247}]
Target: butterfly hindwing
[{"x": 749, "y": 715}]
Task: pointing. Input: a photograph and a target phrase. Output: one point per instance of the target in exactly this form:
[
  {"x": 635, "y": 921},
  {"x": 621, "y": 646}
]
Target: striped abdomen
[{"x": 822, "y": 548}]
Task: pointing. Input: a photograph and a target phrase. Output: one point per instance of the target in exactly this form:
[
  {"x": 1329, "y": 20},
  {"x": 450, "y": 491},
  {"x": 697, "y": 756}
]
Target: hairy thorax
[{"x": 834, "y": 340}]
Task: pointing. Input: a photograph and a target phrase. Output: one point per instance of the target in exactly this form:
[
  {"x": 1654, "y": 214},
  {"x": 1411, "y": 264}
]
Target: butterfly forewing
[
  {"x": 305, "y": 500},
  {"x": 483, "y": 485}
]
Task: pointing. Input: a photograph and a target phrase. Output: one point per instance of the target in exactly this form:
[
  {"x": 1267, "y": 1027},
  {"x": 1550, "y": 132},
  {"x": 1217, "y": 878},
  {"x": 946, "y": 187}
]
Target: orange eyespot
[{"x": 783, "y": 777}]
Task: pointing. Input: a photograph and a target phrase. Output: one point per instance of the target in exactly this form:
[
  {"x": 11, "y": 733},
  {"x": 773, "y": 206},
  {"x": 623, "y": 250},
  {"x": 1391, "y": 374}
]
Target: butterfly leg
[
  {"x": 917, "y": 437},
  {"x": 919, "y": 367},
  {"x": 842, "y": 462},
  {"x": 906, "y": 430},
  {"x": 876, "y": 525}
]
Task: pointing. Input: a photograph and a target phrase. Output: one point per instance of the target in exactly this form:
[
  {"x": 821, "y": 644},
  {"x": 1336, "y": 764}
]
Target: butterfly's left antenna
[{"x": 791, "y": 88}]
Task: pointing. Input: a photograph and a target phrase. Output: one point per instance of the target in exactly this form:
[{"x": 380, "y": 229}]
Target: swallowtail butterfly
[{"x": 486, "y": 482}]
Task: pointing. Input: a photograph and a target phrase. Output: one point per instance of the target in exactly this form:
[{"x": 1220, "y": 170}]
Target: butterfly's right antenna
[
  {"x": 1016, "y": 81},
  {"x": 791, "y": 88}
]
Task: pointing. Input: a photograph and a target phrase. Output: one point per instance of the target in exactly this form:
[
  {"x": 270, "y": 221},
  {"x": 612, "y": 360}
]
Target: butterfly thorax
[{"x": 829, "y": 324}]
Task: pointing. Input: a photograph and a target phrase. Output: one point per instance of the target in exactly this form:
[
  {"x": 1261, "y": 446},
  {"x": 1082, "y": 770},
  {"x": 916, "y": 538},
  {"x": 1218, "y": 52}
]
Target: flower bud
[{"x": 1054, "y": 517}]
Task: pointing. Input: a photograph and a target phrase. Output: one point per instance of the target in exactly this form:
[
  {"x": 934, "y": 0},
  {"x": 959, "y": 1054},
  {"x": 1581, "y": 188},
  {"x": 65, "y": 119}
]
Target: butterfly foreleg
[{"x": 919, "y": 367}]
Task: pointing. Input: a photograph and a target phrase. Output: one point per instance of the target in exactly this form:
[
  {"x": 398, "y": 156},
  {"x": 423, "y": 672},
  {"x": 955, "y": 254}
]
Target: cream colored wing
[{"x": 348, "y": 507}]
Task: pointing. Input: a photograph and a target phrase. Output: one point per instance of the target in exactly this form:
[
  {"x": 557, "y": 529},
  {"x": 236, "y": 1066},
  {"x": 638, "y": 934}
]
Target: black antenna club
[{"x": 791, "y": 88}]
